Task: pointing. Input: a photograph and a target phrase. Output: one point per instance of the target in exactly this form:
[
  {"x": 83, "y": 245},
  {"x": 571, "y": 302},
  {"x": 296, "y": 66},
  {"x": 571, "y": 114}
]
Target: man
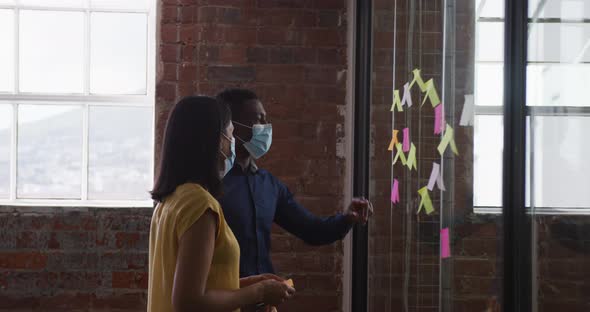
[{"x": 254, "y": 198}]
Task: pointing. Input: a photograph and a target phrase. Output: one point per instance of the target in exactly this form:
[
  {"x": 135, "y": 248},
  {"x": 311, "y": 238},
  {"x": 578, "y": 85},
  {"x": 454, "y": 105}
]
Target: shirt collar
[{"x": 252, "y": 169}]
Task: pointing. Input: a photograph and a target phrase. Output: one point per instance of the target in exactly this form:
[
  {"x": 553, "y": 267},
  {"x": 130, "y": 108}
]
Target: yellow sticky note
[
  {"x": 397, "y": 104},
  {"x": 412, "y": 158},
  {"x": 454, "y": 147},
  {"x": 418, "y": 79},
  {"x": 400, "y": 154},
  {"x": 425, "y": 201},
  {"x": 394, "y": 140},
  {"x": 431, "y": 94},
  {"x": 448, "y": 138}
]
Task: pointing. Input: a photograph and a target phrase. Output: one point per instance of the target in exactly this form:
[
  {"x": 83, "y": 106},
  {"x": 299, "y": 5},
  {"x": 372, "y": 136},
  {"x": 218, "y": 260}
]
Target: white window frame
[
  {"x": 531, "y": 112},
  {"x": 84, "y": 100}
]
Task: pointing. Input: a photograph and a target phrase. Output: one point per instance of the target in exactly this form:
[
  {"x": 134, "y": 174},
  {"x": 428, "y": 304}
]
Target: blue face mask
[
  {"x": 261, "y": 139},
  {"x": 229, "y": 160}
]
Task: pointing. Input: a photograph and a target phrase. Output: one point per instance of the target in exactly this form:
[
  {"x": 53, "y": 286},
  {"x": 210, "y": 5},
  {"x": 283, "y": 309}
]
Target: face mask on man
[
  {"x": 229, "y": 160},
  {"x": 261, "y": 139}
]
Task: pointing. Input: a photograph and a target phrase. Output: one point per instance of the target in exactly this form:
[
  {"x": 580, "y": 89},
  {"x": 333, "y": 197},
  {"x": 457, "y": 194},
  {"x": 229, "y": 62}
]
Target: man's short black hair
[{"x": 236, "y": 98}]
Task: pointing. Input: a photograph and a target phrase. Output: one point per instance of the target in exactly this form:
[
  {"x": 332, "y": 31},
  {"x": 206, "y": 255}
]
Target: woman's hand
[
  {"x": 273, "y": 292},
  {"x": 251, "y": 280}
]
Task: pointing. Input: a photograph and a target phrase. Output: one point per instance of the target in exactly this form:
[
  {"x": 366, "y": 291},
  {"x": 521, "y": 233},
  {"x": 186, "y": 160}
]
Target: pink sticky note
[
  {"x": 406, "y": 143},
  {"x": 445, "y": 250},
  {"x": 395, "y": 192},
  {"x": 438, "y": 119}
]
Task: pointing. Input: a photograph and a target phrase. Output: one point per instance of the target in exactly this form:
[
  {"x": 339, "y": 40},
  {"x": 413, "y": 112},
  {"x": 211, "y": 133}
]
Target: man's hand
[{"x": 359, "y": 211}]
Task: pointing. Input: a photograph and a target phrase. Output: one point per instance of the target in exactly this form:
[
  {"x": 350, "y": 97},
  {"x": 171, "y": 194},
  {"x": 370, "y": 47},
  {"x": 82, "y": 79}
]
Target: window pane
[
  {"x": 6, "y": 50},
  {"x": 561, "y": 167},
  {"x": 51, "y": 51},
  {"x": 558, "y": 84},
  {"x": 490, "y": 42},
  {"x": 118, "y": 4},
  {"x": 564, "y": 9},
  {"x": 491, "y": 8},
  {"x": 489, "y": 84},
  {"x": 556, "y": 42},
  {"x": 488, "y": 149},
  {"x": 55, "y": 3},
  {"x": 120, "y": 153},
  {"x": 49, "y": 151},
  {"x": 5, "y": 135},
  {"x": 118, "y": 53}
]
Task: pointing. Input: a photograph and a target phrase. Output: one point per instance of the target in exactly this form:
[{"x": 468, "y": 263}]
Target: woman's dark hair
[{"x": 190, "y": 152}]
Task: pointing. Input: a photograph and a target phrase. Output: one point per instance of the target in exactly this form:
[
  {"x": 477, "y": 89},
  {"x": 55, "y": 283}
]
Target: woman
[{"x": 194, "y": 256}]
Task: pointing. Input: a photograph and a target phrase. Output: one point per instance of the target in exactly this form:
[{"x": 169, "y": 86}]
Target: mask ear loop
[
  {"x": 240, "y": 139},
  {"x": 230, "y": 140},
  {"x": 241, "y": 124}
]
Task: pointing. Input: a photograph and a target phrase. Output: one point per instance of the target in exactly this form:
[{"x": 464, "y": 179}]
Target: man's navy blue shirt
[{"x": 254, "y": 199}]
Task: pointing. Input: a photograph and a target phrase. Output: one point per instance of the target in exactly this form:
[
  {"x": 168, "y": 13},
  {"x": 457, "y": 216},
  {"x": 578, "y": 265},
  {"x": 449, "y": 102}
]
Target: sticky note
[
  {"x": 439, "y": 119},
  {"x": 395, "y": 192},
  {"x": 448, "y": 138},
  {"x": 425, "y": 201},
  {"x": 467, "y": 115},
  {"x": 436, "y": 178},
  {"x": 433, "y": 176},
  {"x": 431, "y": 94},
  {"x": 445, "y": 248},
  {"x": 396, "y": 102},
  {"x": 407, "y": 98},
  {"x": 400, "y": 154},
  {"x": 406, "y": 140},
  {"x": 412, "y": 158},
  {"x": 418, "y": 79},
  {"x": 393, "y": 140}
]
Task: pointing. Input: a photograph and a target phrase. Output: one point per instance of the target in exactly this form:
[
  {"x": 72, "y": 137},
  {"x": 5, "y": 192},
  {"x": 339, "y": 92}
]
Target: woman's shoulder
[{"x": 194, "y": 193}]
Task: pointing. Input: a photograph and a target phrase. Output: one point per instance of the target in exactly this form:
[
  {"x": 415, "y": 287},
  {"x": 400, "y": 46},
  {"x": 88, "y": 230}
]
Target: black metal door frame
[
  {"x": 517, "y": 226},
  {"x": 360, "y": 175}
]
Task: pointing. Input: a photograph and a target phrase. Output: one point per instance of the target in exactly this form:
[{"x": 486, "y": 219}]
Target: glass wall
[{"x": 435, "y": 243}]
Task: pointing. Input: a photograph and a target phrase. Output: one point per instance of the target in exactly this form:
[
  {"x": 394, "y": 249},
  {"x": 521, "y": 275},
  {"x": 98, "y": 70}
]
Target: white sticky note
[
  {"x": 407, "y": 98},
  {"x": 433, "y": 176},
  {"x": 468, "y": 113}
]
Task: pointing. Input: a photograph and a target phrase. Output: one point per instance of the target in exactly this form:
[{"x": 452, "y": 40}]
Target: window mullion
[
  {"x": 13, "y": 152},
  {"x": 16, "y": 51},
  {"x": 87, "y": 52},
  {"x": 14, "y": 129},
  {"x": 85, "y": 126}
]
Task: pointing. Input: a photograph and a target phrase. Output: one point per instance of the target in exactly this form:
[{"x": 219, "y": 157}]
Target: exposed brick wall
[
  {"x": 293, "y": 53},
  {"x": 70, "y": 259}
]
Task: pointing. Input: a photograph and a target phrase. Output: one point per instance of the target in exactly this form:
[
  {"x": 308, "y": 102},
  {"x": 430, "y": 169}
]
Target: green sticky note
[
  {"x": 445, "y": 140},
  {"x": 454, "y": 147},
  {"x": 412, "y": 157},
  {"x": 418, "y": 79},
  {"x": 431, "y": 94},
  {"x": 400, "y": 154},
  {"x": 425, "y": 201},
  {"x": 397, "y": 103}
]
